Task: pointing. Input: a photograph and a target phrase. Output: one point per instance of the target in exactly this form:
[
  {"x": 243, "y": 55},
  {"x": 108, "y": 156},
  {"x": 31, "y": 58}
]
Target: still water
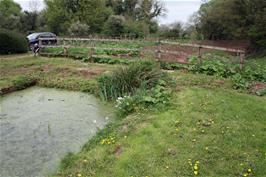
[{"x": 38, "y": 126}]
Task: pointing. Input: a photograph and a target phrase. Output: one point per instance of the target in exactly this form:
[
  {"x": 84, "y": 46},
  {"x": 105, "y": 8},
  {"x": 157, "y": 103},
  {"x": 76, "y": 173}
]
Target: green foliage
[
  {"x": 13, "y": 18},
  {"x": 240, "y": 82},
  {"x": 126, "y": 80},
  {"x": 12, "y": 42},
  {"x": 174, "y": 30},
  {"x": 242, "y": 78},
  {"x": 261, "y": 92},
  {"x": 108, "y": 60},
  {"x": 114, "y": 26},
  {"x": 23, "y": 82},
  {"x": 78, "y": 29},
  {"x": 157, "y": 97},
  {"x": 233, "y": 19},
  {"x": 172, "y": 65},
  {"x": 58, "y": 15},
  {"x": 10, "y": 14}
]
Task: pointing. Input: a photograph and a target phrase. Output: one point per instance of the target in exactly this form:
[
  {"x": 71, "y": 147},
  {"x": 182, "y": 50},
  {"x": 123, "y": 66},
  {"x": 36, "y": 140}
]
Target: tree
[
  {"x": 29, "y": 21},
  {"x": 175, "y": 30},
  {"x": 78, "y": 29},
  {"x": 94, "y": 13},
  {"x": 60, "y": 14},
  {"x": 10, "y": 15},
  {"x": 233, "y": 19},
  {"x": 115, "y": 25}
]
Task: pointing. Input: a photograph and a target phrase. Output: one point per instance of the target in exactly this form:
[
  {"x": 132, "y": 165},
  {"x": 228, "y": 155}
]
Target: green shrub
[
  {"x": 240, "y": 82},
  {"x": 155, "y": 98},
  {"x": 12, "y": 42},
  {"x": 126, "y": 80}
]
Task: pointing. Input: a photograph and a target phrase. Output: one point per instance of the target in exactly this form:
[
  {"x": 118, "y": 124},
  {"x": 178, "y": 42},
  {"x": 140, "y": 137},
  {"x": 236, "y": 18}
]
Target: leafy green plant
[
  {"x": 155, "y": 98},
  {"x": 126, "y": 80},
  {"x": 261, "y": 92},
  {"x": 239, "y": 82}
]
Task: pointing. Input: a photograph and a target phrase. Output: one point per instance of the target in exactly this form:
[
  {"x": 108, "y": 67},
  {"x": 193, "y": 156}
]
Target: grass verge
[{"x": 219, "y": 130}]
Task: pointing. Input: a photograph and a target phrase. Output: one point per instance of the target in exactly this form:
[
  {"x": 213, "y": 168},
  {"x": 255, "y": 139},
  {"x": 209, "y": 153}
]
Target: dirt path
[{"x": 16, "y": 56}]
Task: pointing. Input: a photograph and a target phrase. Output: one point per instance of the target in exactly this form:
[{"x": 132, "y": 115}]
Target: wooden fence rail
[{"x": 158, "y": 52}]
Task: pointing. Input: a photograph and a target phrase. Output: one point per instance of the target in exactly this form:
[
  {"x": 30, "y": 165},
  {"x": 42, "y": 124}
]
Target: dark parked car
[{"x": 34, "y": 38}]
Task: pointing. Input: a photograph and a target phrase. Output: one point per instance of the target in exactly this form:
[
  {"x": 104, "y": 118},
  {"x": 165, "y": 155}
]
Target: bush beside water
[
  {"x": 140, "y": 85},
  {"x": 12, "y": 42}
]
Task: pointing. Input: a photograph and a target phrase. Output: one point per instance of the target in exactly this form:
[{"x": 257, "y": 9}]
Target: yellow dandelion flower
[
  {"x": 196, "y": 173},
  {"x": 197, "y": 162},
  {"x": 245, "y": 174},
  {"x": 85, "y": 160},
  {"x": 249, "y": 170},
  {"x": 79, "y": 175},
  {"x": 196, "y": 167}
]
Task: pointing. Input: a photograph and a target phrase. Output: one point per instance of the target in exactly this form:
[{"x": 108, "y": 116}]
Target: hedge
[{"x": 12, "y": 42}]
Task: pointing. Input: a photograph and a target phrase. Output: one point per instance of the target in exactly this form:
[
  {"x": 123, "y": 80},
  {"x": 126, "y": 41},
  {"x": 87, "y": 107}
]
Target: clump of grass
[
  {"x": 126, "y": 80},
  {"x": 23, "y": 82}
]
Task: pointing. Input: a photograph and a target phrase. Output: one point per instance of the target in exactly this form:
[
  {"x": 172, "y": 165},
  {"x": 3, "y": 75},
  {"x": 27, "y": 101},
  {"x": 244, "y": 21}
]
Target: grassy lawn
[
  {"x": 221, "y": 129},
  {"x": 208, "y": 129},
  {"x": 51, "y": 72}
]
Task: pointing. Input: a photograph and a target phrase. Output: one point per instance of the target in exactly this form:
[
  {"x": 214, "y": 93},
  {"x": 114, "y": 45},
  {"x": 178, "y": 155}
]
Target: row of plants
[
  {"x": 242, "y": 79},
  {"x": 84, "y": 52},
  {"x": 111, "y": 44},
  {"x": 107, "y": 60}
]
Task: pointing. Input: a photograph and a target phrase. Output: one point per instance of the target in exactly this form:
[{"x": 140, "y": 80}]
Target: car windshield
[
  {"x": 33, "y": 36},
  {"x": 43, "y": 35}
]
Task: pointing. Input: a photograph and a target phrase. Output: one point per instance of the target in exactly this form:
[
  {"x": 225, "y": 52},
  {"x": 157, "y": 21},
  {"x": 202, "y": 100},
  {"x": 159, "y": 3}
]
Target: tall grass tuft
[{"x": 127, "y": 79}]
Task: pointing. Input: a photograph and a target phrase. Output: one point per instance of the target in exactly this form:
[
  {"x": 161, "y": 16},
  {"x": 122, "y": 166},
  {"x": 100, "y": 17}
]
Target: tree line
[{"x": 215, "y": 20}]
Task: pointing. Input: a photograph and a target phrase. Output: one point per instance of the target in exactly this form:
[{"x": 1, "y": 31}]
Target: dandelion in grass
[
  {"x": 196, "y": 168},
  {"x": 108, "y": 141}
]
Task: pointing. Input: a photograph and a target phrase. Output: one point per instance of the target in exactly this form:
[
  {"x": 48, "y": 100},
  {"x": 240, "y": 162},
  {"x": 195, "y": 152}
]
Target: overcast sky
[{"x": 177, "y": 10}]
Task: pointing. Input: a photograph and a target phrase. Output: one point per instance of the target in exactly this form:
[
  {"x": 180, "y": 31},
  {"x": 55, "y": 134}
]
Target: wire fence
[{"x": 129, "y": 48}]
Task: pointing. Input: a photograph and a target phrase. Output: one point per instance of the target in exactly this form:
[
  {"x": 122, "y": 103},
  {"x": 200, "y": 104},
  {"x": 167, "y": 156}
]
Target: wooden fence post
[
  {"x": 199, "y": 55},
  {"x": 65, "y": 51},
  {"x": 40, "y": 45},
  {"x": 159, "y": 52},
  {"x": 242, "y": 60}
]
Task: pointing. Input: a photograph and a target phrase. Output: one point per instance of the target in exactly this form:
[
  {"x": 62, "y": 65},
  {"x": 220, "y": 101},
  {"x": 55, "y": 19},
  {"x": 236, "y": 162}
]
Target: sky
[{"x": 177, "y": 10}]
